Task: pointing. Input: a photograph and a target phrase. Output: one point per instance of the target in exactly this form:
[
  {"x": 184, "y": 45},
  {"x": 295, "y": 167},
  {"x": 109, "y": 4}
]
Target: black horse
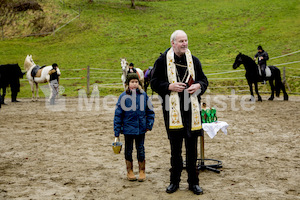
[
  {"x": 9, "y": 76},
  {"x": 252, "y": 76}
]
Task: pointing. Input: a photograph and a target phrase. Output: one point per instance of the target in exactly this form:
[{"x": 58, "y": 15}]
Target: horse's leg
[
  {"x": 256, "y": 90},
  {"x": 3, "y": 95},
  {"x": 272, "y": 90},
  {"x": 32, "y": 90},
  {"x": 37, "y": 90},
  {"x": 145, "y": 85},
  {"x": 0, "y": 96},
  {"x": 251, "y": 91},
  {"x": 142, "y": 84},
  {"x": 285, "y": 95}
]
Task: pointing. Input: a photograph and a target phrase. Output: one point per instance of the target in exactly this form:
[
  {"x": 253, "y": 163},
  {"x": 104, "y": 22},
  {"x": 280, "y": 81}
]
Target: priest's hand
[
  {"x": 193, "y": 88},
  {"x": 177, "y": 87}
]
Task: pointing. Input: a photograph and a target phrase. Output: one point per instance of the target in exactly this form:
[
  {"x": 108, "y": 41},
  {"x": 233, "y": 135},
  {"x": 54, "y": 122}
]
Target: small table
[{"x": 211, "y": 129}]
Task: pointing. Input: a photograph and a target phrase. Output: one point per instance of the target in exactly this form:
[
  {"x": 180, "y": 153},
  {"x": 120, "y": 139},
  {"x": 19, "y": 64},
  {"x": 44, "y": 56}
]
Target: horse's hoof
[
  {"x": 271, "y": 98},
  {"x": 259, "y": 99},
  {"x": 286, "y": 98}
]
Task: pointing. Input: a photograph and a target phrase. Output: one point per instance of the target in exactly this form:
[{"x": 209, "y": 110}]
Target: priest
[{"x": 179, "y": 80}]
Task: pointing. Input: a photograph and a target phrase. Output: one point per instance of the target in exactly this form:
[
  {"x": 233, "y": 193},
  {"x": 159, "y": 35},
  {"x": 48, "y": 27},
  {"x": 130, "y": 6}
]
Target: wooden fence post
[
  {"x": 88, "y": 81},
  {"x": 284, "y": 80}
]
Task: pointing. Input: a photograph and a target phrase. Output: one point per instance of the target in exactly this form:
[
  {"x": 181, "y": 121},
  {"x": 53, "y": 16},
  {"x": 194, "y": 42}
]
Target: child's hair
[{"x": 128, "y": 91}]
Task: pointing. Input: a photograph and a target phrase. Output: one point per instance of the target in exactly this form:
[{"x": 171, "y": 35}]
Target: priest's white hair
[{"x": 174, "y": 35}]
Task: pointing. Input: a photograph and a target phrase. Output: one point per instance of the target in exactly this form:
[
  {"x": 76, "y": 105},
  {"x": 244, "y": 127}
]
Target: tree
[{"x": 132, "y": 4}]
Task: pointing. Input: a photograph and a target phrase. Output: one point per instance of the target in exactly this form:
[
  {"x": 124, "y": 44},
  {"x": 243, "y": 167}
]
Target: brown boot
[
  {"x": 130, "y": 174},
  {"x": 142, "y": 175}
]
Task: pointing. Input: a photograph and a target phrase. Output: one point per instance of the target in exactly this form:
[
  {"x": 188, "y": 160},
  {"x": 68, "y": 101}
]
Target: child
[
  {"x": 131, "y": 68},
  {"x": 133, "y": 118}
]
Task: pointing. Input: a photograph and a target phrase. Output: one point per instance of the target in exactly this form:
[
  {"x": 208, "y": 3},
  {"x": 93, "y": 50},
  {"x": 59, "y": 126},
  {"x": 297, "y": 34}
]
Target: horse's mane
[
  {"x": 27, "y": 63},
  {"x": 249, "y": 64},
  {"x": 249, "y": 59}
]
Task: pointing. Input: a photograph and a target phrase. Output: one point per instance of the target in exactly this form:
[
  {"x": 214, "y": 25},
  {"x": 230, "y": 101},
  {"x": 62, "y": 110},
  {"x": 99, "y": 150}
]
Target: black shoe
[
  {"x": 172, "y": 188},
  {"x": 196, "y": 189}
]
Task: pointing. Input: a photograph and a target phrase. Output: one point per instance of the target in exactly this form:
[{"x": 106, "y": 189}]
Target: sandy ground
[{"x": 64, "y": 152}]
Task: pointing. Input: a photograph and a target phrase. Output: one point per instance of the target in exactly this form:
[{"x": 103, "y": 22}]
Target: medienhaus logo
[{"x": 108, "y": 102}]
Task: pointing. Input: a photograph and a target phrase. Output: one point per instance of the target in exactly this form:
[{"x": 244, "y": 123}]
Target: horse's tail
[{"x": 278, "y": 82}]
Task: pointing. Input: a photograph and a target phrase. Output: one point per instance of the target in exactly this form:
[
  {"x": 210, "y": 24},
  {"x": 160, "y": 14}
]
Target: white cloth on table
[{"x": 212, "y": 128}]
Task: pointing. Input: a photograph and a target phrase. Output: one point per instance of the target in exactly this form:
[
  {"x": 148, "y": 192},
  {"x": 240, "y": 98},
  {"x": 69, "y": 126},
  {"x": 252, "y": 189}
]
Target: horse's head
[
  {"x": 19, "y": 71},
  {"x": 124, "y": 64},
  {"x": 28, "y": 62},
  {"x": 238, "y": 61}
]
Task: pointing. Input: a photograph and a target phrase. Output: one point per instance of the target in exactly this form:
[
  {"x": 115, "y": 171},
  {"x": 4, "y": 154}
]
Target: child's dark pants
[{"x": 139, "y": 144}]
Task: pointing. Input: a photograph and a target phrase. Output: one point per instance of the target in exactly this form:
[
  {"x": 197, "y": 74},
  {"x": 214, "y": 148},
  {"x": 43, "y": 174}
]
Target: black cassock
[{"x": 160, "y": 84}]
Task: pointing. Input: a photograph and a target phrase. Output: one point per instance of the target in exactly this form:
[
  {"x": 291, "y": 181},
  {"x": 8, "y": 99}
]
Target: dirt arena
[{"x": 64, "y": 152}]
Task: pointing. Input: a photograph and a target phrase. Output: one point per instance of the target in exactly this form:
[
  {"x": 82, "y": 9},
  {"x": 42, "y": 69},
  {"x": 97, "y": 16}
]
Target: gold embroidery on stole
[{"x": 175, "y": 119}]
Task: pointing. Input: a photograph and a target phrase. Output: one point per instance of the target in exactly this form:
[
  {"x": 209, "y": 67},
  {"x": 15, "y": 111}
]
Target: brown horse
[{"x": 147, "y": 78}]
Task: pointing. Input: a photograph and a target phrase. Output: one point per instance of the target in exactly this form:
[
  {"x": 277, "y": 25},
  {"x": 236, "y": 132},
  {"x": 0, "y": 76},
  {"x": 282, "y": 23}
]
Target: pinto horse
[
  {"x": 41, "y": 75},
  {"x": 125, "y": 68},
  {"x": 253, "y": 76}
]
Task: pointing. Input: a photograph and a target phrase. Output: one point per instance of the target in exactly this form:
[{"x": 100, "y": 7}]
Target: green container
[{"x": 209, "y": 115}]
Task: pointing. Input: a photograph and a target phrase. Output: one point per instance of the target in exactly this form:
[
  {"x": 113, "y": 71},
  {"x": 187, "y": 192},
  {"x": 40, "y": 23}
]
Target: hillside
[
  {"x": 109, "y": 29},
  {"x": 23, "y": 18}
]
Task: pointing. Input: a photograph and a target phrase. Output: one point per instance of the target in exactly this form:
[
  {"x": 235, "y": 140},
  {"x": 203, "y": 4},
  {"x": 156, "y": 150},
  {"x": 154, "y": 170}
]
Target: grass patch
[{"x": 109, "y": 29}]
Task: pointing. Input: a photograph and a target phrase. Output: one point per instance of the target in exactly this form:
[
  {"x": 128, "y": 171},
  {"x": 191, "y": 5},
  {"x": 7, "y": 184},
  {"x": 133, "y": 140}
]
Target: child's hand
[{"x": 147, "y": 130}]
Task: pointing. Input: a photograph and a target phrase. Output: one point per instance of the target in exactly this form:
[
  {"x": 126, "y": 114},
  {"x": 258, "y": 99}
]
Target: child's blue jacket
[{"x": 134, "y": 114}]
